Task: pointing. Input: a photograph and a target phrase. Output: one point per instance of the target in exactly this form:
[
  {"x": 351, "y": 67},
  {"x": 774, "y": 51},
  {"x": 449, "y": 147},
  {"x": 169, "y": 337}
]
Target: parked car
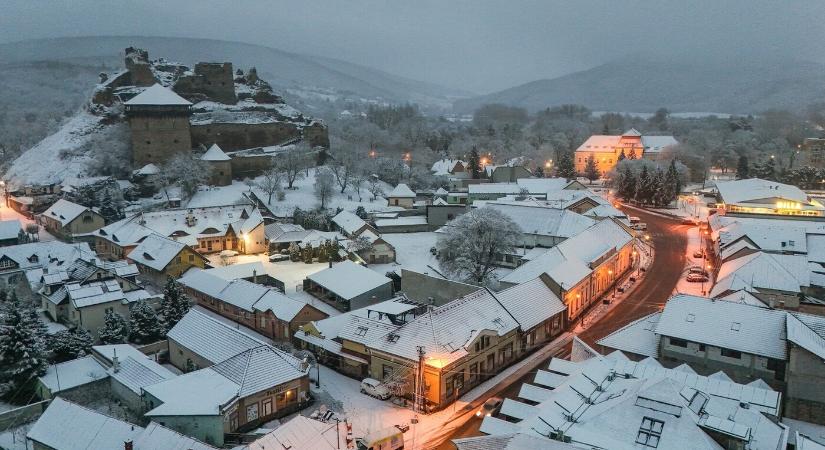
[
  {"x": 490, "y": 407},
  {"x": 698, "y": 254},
  {"x": 634, "y": 219},
  {"x": 697, "y": 269},
  {"x": 278, "y": 257},
  {"x": 697, "y": 278},
  {"x": 711, "y": 204},
  {"x": 641, "y": 226},
  {"x": 375, "y": 388},
  {"x": 390, "y": 438}
]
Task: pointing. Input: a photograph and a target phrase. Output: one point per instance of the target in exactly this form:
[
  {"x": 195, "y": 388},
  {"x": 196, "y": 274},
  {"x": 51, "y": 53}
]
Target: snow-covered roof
[
  {"x": 599, "y": 143},
  {"x": 205, "y": 392},
  {"x": 401, "y": 191},
  {"x": 158, "y": 437},
  {"x": 215, "y": 154},
  {"x": 743, "y": 296},
  {"x": 401, "y": 221},
  {"x": 302, "y": 433},
  {"x": 71, "y": 374},
  {"x": 760, "y": 270},
  {"x": 157, "y": 95},
  {"x": 637, "y": 337},
  {"x": 544, "y": 221},
  {"x": 9, "y": 229},
  {"x": 745, "y": 328},
  {"x": 447, "y": 332},
  {"x": 493, "y": 188},
  {"x": 282, "y": 233},
  {"x": 445, "y": 166},
  {"x": 765, "y": 234},
  {"x": 243, "y": 294},
  {"x": 441, "y": 191},
  {"x": 631, "y": 133},
  {"x": 807, "y": 331},
  {"x": 609, "y": 402},
  {"x": 348, "y": 222},
  {"x": 136, "y": 370},
  {"x": 148, "y": 169},
  {"x": 211, "y": 339},
  {"x": 95, "y": 293},
  {"x": 67, "y": 426},
  {"x": 184, "y": 224},
  {"x": 656, "y": 144},
  {"x": 64, "y": 211},
  {"x": 531, "y": 303},
  {"x": 260, "y": 368},
  {"x": 348, "y": 279},
  {"x": 751, "y": 189},
  {"x": 156, "y": 251},
  {"x": 569, "y": 262},
  {"x": 440, "y": 202},
  {"x": 513, "y": 441}
]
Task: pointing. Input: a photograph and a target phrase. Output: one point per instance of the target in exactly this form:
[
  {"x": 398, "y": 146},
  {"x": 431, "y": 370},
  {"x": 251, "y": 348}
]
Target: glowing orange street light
[{"x": 372, "y": 153}]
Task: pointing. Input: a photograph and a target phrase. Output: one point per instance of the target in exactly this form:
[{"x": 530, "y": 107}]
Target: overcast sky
[{"x": 478, "y": 45}]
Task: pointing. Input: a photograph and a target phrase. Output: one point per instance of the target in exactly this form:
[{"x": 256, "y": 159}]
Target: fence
[{"x": 17, "y": 416}]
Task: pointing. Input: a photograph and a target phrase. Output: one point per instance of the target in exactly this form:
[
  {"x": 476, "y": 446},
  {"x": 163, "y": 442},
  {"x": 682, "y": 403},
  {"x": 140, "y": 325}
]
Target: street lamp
[{"x": 610, "y": 276}]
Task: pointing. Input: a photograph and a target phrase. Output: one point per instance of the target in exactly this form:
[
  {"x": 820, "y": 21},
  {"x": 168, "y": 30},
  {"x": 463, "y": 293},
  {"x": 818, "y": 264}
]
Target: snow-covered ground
[
  {"x": 7, "y": 213},
  {"x": 412, "y": 252},
  {"x": 291, "y": 273},
  {"x": 687, "y": 287},
  {"x": 302, "y": 196},
  {"x": 42, "y": 163}
]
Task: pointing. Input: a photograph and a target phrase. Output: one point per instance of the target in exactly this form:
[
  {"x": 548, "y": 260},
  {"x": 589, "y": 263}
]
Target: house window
[
  {"x": 252, "y": 412},
  {"x": 191, "y": 258},
  {"x": 6, "y": 263},
  {"x": 678, "y": 342},
  {"x": 731, "y": 353},
  {"x": 87, "y": 219},
  {"x": 701, "y": 347},
  {"x": 473, "y": 372},
  {"x": 263, "y": 322},
  {"x": 650, "y": 432},
  {"x": 386, "y": 372}
]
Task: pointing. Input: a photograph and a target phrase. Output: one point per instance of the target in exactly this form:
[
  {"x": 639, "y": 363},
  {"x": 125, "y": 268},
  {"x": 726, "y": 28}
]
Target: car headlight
[{"x": 478, "y": 413}]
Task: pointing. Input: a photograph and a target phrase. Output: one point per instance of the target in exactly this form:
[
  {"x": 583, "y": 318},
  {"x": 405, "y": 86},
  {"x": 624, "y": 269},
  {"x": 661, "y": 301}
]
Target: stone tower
[
  {"x": 221, "y": 166},
  {"x": 210, "y": 81},
  {"x": 159, "y": 124}
]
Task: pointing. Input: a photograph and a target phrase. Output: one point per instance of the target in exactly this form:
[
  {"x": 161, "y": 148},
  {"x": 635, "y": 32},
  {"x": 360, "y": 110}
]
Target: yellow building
[{"x": 606, "y": 150}]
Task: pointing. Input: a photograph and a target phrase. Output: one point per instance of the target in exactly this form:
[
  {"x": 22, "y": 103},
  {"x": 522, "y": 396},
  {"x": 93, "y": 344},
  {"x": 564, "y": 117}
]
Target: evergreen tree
[
  {"x": 362, "y": 213},
  {"x": 144, "y": 325},
  {"x": 742, "y": 169},
  {"x": 643, "y": 186},
  {"x": 591, "y": 170},
  {"x": 307, "y": 253},
  {"x": 175, "y": 304},
  {"x": 539, "y": 172},
  {"x": 622, "y": 156},
  {"x": 566, "y": 168},
  {"x": 22, "y": 350},
  {"x": 765, "y": 170},
  {"x": 474, "y": 164},
  {"x": 658, "y": 193},
  {"x": 294, "y": 252},
  {"x": 114, "y": 329},
  {"x": 66, "y": 345},
  {"x": 672, "y": 183},
  {"x": 627, "y": 183}
]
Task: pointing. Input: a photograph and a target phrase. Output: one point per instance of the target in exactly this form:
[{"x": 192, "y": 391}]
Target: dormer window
[{"x": 34, "y": 259}]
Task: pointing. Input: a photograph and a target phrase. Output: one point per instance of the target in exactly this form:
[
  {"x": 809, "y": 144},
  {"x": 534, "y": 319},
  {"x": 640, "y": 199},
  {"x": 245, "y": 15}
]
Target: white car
[{"x": 375, "y": 388}]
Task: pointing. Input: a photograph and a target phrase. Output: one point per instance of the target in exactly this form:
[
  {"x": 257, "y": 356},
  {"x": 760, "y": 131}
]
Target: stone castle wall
[
  {"x": 241, "y": 136},
  {"x": 210, "y": 80},
  {"x": 156, "y": 137}
]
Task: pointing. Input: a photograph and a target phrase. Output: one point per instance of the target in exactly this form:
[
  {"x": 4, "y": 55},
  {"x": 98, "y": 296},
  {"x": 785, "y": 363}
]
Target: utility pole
[{"x": 419, "y": 381}]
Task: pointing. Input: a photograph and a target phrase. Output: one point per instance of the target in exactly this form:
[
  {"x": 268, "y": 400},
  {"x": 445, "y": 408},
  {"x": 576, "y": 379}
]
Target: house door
[
  {"x": 267, "y": 407},
  {"x": 491, "y": 362}
]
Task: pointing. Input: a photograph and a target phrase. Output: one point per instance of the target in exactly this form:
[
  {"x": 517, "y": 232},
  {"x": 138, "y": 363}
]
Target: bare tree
[
  {"x": 469, "y": 247},
  {"x": 292, "y": 164},
  {"x": 374, "y": 186},
  {"x": 357, "y": 181},
  {"x": 344, "y": 165},
  {"x": 324, "y": 186},
  {"x": 33, "y": 230},
  {"x": 271, "y": 182}
]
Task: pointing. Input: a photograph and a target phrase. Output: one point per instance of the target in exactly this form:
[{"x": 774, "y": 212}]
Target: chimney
[
  {"x": 116, "y": 368},
  {"x": 255, "y": 276},
  {"x": 128, "y": 445},
  {"x": 304, "y": 364}
]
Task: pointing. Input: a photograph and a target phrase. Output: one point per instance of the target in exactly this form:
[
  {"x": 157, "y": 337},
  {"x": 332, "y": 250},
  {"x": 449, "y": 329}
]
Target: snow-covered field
[{"x": 303, "y": 196}]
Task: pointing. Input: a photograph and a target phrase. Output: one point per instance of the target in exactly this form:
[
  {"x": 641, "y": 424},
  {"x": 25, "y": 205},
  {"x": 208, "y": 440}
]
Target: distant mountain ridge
[
  {"x": 644, "y": 85},
  {"x": 283, "y": 69}
]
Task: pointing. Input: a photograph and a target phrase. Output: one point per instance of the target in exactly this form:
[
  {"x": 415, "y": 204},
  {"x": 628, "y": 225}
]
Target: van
[
  {"x": 390, "y": 438},
  {"x": 374, "y": 388}
]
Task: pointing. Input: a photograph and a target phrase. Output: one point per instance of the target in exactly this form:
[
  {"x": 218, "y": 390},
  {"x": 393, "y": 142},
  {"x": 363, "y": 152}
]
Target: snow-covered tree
[
  {"x": 469, "y": 248},
  {"x": 474, "y": 164},
  {"x": 360, "y": 243},
  {"x": 362, "y": 213},
  {"x": 115, "y": 330},
  {"x": 644, "y": 186},
  {"x": 357, "y": 182},
  {"x": 294, "y": 252},
  {"x": 270, "y": 182},
  {"x": 659, "y": 193},
  {"x": 22, "y": 350},
  {"x": 566, "y": 168},
  {"x": 70, "y": 344},
  {"x": 672, "y": 183},
  {"x": 175, "y": 304},
  {"x": 185, "y": 171},
  {"x": 144, "y": 324},
  {"x": 324, "y": 186},
  {"x": 293, "y": 163},
  {"x": 591, "y": 170},
  {"x": 374, "y": 187}
]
